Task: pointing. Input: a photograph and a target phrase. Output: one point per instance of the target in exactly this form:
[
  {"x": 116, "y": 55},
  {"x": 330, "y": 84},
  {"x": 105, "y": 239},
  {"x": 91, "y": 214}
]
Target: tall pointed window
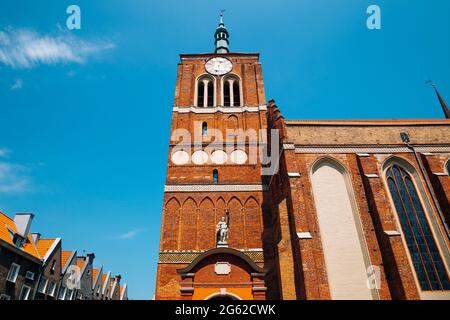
[
  {"x": 215, "y": 176},
  {"x": 231, "y": 91},
  {"x": 419, "y": 239},
  {"x": 448, "y": 167},
  {"x": 205, "y": 92},
  {"x": 204, "y": 129}
]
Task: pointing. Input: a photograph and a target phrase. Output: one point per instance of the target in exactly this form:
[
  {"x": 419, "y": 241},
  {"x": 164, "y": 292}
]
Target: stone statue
[{"x": 222, "y": 229}]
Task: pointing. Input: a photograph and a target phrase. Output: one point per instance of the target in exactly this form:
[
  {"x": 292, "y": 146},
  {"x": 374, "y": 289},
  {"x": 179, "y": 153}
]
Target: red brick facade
[{"x": 275, "y": 247}]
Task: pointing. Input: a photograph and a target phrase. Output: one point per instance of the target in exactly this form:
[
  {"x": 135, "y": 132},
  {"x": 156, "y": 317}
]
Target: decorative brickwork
[{"x": 274, "y": 222}]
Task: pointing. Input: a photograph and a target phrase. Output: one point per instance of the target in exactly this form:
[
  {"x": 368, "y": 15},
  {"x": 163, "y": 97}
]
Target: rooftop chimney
[
  {"x": 91, "y": 257},
  {"x": 23, "y": 223},
  {"x": 35, "y": 236}
]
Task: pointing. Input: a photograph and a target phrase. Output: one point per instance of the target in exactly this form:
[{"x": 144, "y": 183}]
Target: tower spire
[
  {"x": 221, "y": 36},
  {"x": 441, "y": 100}
]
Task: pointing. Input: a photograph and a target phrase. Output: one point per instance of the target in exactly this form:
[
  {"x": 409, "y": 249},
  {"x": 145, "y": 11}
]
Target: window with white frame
[
  {"x": 69, "y": 294},
  {"x": 13, "y": 273},
  {"x": 62, "y": 293},
  {"x": 43, "y": 285},
  {"x": 231, "y": 91},
  {"x": 51, "y": 288},
  {"x": 5, "y": 297},
  {"x": 25, "y": 293},
  {"x": 205, "y": 91}
]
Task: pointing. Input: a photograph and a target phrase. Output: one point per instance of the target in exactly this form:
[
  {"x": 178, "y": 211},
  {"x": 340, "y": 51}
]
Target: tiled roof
[
  {"x": 103, "y": 279},
  {"x": 43, "y": 245},
  {"x": 94, "y": 274},
  {"x": 5, "y": 235},
  {"x": 80, "y": 264},
  {"x": 65, "y": 255}
]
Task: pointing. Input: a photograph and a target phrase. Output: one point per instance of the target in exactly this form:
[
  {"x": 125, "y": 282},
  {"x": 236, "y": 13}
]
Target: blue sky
[{"x": 85, "y": 114}]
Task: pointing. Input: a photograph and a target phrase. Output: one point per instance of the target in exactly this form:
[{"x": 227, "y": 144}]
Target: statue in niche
[{"x": 222, "y": 230}]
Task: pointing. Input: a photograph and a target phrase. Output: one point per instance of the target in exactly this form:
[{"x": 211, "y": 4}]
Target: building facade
[
  {"x": 259, "y": 207},
  {"x": 34, "y": 268}
]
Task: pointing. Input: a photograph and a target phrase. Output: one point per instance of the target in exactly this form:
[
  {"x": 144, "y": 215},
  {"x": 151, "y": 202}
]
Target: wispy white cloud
[
  {"x": 14, "y": 178},
  {"x": 17, "y": 85},
  {"x": 26, "y": 48},
  {"x": 129, "y": 234},
  {"x": 4, "y": 153}
]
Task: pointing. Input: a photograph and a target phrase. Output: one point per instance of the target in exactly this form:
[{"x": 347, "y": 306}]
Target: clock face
[{"x": 218, "y": 66}]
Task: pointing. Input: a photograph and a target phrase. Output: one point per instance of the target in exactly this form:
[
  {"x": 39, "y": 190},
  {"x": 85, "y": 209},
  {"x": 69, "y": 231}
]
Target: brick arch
[
  {"x": 189, "y": 199},
  {"x": 171, "y": 201},
  {"x": 188, "y": 225},
  {"x": 253, "y": 223},
  {"x": 170, "y": 224},
  {"x": 206, "y": 225},
  {"x": 319, "y": 161},
  {"x": 234, "y": 198},
  {"x": 236, "y": 229},
  {"x": 231, "y": 123}
]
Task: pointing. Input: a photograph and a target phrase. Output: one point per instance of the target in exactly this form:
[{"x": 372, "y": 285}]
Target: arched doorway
[
  {"x": 223, "y": 274},
  {"x": 219, "y": 296}
]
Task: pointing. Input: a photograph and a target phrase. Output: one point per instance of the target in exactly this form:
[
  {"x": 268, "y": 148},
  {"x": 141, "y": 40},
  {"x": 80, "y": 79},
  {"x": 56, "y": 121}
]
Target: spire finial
[
  {"x": 221, "y": 36},
  {"x": 221, "y": 15},
  {"x": 441, "y": 99},
  {"x": 431, "y": 83}
]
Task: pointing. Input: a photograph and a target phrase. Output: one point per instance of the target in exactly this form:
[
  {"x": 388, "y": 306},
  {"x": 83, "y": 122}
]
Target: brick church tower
[
  {"x": 337, "y": 209},
  {"x": 214, "y": 179}
]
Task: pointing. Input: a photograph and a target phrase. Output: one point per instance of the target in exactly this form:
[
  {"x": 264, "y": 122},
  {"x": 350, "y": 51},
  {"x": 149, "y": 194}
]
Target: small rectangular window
[
  {"x": 25, "y": 293},
  {"x": 51, "y": 289},
  {"x": 43, "y": 285},
  {"x": 13, "y": 273},
  {"x": 62, "y": 293},
  {"x": 29, "y": 275}
]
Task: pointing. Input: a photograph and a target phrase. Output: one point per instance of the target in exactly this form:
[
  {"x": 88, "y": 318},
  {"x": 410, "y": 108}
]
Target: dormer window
[
  {"x": 205, "y": 91},
  {"x": 18, "y": 240},
  {"x": 231, "y": 91}
]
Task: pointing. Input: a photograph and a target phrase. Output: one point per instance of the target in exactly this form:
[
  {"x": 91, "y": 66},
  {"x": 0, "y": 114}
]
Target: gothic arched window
[
  {"x": 215, "y": 176},
  {"x": 231, "y": 91},
  {"x": 204, "y": 129},
  {"x": 205, "y": 92},
  {"x": 448, "y": 167},
  {"x": 421, "y": 244}
]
